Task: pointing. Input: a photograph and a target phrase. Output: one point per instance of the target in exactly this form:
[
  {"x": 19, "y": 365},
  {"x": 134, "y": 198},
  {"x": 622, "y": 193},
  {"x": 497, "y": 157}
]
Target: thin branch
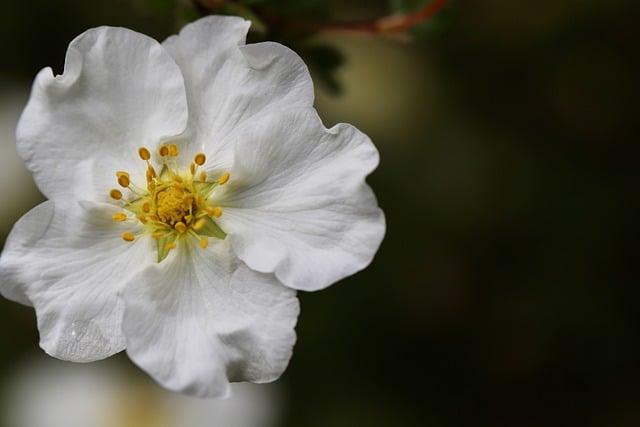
[
  {"x": 392, "y": 24},
  {"x": 396, "y": 23}
]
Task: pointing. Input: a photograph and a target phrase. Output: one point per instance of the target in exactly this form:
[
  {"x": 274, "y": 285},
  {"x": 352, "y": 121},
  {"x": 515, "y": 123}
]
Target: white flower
[{"x": 187, "y": 183}]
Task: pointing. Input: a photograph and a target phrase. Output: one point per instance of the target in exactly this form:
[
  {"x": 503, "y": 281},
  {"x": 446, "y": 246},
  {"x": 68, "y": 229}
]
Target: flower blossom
[{"x": 192, "y": 189}]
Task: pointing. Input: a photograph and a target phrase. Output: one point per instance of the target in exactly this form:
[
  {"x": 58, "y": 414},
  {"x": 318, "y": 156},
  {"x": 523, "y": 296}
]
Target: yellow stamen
[
  {"x": 173, "y": 150},
  {"x": 224, "y": 178},
  {"x": 146, "y": 207},
  {"x": 203, "y": 177},
  {"x": 151, "y": 172},
  {"x": 217, "y": 212},
  {"x": 180, "y": 227},
  {"x": 128, "y": 236},
  {"x": 151, "y": 186},
  {"x": 200, "y": 159},
  {"x": 123, "y": 180},
  {"x": 115, "y": 194},
  {"x": 192, "y": 168},
  {"x": 144, "y": 153},
  {"x": 164, "y": 151},
  {"x": 199, "y": 225},
  {"x": 120, "y": 216},
  {"x": 171, "y": 245},
  {"x": 204, "y": 242}
]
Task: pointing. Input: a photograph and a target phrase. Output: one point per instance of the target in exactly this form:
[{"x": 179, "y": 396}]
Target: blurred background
[{"x": 506, "y": 290}]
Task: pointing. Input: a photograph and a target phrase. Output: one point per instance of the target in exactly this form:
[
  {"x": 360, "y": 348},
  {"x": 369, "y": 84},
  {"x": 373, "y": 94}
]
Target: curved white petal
[
  {"x": 297, "y": 203},
  {"x": 120, "y": 90},
  {"x": 69, "y": 261},
  {"x": 229, "y": 82},
  {"x": 200, "y": 319}
]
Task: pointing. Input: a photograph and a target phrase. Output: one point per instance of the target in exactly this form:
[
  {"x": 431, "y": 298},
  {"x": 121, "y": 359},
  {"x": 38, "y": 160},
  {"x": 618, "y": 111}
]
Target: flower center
[{"x": 175, "y": 206}]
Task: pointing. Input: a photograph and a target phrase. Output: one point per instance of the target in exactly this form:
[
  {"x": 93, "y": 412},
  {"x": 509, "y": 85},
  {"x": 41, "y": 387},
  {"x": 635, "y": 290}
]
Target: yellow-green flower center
[{"x": 175, "y": 206}]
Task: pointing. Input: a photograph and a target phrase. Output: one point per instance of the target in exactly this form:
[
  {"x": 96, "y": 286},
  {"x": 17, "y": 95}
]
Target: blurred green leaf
[{"x": 324, "y": 61}]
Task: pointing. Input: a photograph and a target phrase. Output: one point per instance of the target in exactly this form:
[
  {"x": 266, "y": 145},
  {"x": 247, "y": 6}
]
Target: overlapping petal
[
  {"x": 202, "y": 319},
  {"x": 69, "y": 262},
  {"x": 119, "y": 90},
  {"x": 298, "y": 204},
  {"x": 229, "y": 82}
]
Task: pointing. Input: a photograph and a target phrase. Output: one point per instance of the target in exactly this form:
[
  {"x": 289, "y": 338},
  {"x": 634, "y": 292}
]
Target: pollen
[
  {"x": 204, "y": 242},
  {"x": 216, "y": 212},
  {"x": 199, "y": 159},
  {"x": 224, "y": 178},
  {"x": 123, "y": 179},
  {"x": 120, "y": 216},
  {"x": 181, "y": 227},
  {"x": 173, "y": 150},
  {"x": 128, "y": 236},
  {"x": 144, "y": 153},
  {"x": 115, "y": 194},
  {"x": 199, "y": 225},
  {"x": 172, "y": 205}
]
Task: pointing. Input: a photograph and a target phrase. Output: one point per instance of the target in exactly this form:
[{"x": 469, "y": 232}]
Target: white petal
[
  {"x": 297, "y": 203},
  {"x": 71, "y": 264},
  {"x": 228, "y": 82},
  {"x": 200, "y": 319},
  {"x": 120, "y": 90}
]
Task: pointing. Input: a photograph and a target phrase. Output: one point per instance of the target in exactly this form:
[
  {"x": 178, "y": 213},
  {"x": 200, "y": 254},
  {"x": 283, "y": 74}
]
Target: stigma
[{"x": 175, "y": 206}]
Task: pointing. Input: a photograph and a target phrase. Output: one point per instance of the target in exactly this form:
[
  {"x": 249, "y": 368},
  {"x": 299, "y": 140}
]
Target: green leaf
[
  {"x": 212, "y": 229},
  {"x": 163, "y": 243}
]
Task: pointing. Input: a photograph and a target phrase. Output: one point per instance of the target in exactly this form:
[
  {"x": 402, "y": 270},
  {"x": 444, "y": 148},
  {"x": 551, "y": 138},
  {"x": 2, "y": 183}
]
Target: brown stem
[
  {"x": 396, "y": 23},
  {"x": 389, "y": 24}
]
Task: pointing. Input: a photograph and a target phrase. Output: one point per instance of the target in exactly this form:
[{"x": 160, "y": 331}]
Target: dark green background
[{"x": 506, "y": 290}]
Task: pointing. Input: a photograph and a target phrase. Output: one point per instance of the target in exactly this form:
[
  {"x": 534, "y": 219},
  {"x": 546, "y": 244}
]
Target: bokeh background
[{"x": 506, "y": 291}]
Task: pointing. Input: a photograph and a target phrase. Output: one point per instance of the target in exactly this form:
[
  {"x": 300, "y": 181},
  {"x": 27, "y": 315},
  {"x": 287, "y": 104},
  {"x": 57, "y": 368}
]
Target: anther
[
  {"x": 115, "y": 194},
  {"x": 128, "y": 236},
  {"x": 146, "y": 207},
  {"x": 164, "y": 151},
  {"x": 173, "y": 150},
  {"x": 180, "y": 227},
  {"x": 123, "y": 180},
  {"x": 199, "y": 159},
  {"x": 120, "y": 216},
  {"x": 217, "y": 212},
  {"x": 171, "y": 245},
  {"x": 199, "y": 225},
  {"x": 144, "y": 153},
  {"x": 204, "y": 242},
  {"x": 203, "y": 177},
  {"x": 224, "y": 178}
]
